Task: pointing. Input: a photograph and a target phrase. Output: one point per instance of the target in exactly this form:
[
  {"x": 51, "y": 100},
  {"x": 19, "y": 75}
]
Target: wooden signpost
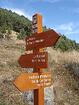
[{"x": 37, "y": 60}]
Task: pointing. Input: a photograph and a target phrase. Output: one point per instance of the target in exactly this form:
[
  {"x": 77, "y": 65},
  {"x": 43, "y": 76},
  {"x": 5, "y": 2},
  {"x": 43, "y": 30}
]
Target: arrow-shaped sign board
[
  {"x": 41, "y": 40},
  {"x": 30, "y": 81},
  {"x": 35, "y": 60}
]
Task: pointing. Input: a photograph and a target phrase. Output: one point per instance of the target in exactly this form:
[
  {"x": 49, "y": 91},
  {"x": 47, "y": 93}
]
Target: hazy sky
[{"x": 61, "y": 15}]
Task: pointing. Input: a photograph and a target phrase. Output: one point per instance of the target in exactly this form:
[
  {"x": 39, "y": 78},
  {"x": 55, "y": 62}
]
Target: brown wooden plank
[
  {"x": 41, "y": 40},
  {"x": 35, "y": 60}
]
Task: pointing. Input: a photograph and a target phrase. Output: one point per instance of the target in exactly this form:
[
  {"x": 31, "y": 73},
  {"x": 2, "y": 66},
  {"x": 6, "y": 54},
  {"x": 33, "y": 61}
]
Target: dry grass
[
  {"x": 65, "y": 71},
  {"x": 10, "y": 52},
  {"x": 58, "y": 56}
]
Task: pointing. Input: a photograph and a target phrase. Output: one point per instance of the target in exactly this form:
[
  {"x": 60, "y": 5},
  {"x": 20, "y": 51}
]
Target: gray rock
[{"x": 48, "y": 96}]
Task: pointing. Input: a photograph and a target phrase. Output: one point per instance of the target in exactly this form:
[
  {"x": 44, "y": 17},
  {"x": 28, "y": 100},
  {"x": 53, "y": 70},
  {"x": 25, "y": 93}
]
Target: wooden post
[{"x": 37, "y": 28}]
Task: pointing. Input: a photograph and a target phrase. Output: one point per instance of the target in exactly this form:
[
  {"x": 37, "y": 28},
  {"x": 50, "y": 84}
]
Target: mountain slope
[
  {"x": 13, "y": 21},
  {"x": 65, "y": 44}
]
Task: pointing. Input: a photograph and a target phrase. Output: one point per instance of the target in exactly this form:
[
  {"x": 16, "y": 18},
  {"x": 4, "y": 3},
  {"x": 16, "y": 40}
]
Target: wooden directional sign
[
  {"x": 30, "y": 81},
  {"x": 41, "y": 40},
  {"x": 35, "y": 60}
]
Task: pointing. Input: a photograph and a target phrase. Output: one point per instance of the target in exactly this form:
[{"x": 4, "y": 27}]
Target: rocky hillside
[
  {"x": 65, "y": 74},
  {"x": 9, "y": 68}
]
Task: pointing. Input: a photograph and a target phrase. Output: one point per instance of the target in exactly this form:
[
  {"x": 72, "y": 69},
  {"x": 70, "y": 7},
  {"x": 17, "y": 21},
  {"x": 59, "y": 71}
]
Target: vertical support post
[{"x": 37, "y": 28}]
